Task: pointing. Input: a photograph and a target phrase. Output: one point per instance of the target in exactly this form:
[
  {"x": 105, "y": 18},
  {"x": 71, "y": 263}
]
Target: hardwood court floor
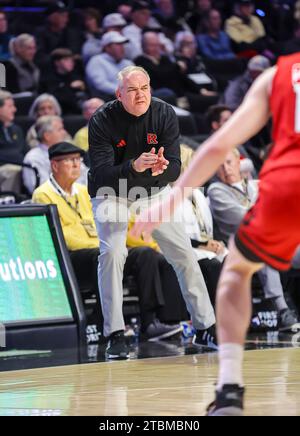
[{"x": 172, "y": 386}]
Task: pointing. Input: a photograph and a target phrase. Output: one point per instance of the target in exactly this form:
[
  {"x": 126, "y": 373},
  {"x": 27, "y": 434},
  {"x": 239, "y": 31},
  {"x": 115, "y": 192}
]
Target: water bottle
[{"x": 135, "y": 328}]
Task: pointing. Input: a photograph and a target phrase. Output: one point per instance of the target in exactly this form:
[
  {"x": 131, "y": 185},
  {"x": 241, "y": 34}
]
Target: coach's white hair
[{"x": 128, "y": 70}]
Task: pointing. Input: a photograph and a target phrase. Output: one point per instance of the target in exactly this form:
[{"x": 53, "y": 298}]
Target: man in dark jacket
[
  {"x": 134, "y": 153},
  {"x": 12, "y": 145},
  {"x": 22, "y": 75}
]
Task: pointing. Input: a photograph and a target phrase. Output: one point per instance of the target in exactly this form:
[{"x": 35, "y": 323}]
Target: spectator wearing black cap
[
  {"x": 57, "y": 34},
  {"x": 65, "y": 80},
  {"x": 246, "y": 30},
  {"x": 102, "y": 70},
  {"x": 76, "y": 217},
  {"x": 74, "y": 207}
]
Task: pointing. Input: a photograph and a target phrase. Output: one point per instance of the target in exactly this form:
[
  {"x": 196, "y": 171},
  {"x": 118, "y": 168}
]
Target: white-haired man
[
  {"x": 21, "y": 72},
  {"x": 134, "y": 153}
]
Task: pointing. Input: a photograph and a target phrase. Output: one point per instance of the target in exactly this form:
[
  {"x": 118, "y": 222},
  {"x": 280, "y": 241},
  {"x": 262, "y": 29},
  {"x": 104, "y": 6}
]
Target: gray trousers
[
  {"x": 271, "y": 283},
  {"x": 111, "y": 218}
]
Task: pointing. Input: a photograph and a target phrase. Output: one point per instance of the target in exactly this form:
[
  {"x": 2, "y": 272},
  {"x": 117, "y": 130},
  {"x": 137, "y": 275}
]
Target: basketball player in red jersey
[{"x": 270, "y": 232}]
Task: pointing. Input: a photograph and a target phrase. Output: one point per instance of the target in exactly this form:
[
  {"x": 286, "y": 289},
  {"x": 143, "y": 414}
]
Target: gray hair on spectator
[
  {"x": 4, "y": 95},
  {"x": 45, "y": 124},
  {"x": 128, "y": 70},
  {"x": 180, "y": 37},
  {"x": 41, "y": 99},
  {"x": 20, "y": 41}
]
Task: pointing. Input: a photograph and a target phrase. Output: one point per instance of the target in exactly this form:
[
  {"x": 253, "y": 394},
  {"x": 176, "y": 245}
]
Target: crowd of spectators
[
  {"x": 202, "y": 56},
  {"x": 196, "y": 52}
]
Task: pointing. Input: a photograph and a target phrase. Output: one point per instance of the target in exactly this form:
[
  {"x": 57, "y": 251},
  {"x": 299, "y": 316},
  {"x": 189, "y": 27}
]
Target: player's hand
[
  {"x": 146, "y": 222},
  {"x": 145, "y": 162},
  {"x": 161, "y": 165}
]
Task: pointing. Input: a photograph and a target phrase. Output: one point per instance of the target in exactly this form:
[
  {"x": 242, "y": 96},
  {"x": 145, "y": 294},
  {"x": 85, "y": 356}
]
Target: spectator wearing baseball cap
[
  {"x": 258, "y": 64},
  {"x": 113, "y": 21},
  {"x": 102, "y": 70},
  {"x": 237, "y": 89},
  {"x": 112, "y": 37},
  {"x": 65, "y": 80},
  {"x": 74, "y": 209}
]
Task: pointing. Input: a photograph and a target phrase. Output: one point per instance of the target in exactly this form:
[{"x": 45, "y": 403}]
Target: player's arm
[{"x": 248, "y": 120}]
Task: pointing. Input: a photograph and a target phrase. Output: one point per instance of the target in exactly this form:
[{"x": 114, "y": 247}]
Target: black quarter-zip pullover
[{"x": 117, "y": 137}]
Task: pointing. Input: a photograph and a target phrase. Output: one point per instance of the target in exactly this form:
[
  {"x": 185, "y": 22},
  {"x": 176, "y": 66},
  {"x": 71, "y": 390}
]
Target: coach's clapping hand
[
  {"x": 161, "y": 164},
  {"x": 145, "y": 162}
]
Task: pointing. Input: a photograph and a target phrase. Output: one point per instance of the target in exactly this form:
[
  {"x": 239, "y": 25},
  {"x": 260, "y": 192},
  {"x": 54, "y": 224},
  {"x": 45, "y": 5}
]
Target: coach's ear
[{"x": 118, "y": 94}]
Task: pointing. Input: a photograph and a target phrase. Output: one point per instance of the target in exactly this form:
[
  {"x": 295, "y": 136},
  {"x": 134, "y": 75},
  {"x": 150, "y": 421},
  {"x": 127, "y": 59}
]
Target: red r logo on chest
[{"x": 152, "y": 139}]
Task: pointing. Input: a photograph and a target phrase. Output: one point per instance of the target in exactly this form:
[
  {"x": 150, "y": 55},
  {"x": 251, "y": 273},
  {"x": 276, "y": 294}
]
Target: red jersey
[{"x": 285, "y": 108}]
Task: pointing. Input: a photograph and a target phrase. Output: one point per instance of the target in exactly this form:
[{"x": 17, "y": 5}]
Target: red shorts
[{"x": 270, "y": 232}]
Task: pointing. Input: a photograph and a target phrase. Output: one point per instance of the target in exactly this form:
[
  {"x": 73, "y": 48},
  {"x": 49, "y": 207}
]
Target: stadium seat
[{"x": 73, "y": 123}]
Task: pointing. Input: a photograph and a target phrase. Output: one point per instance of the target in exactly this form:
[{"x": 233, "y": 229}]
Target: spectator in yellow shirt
[
  {"x": 89, "y": 107},
  {"x": 246, "y": 30}
]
